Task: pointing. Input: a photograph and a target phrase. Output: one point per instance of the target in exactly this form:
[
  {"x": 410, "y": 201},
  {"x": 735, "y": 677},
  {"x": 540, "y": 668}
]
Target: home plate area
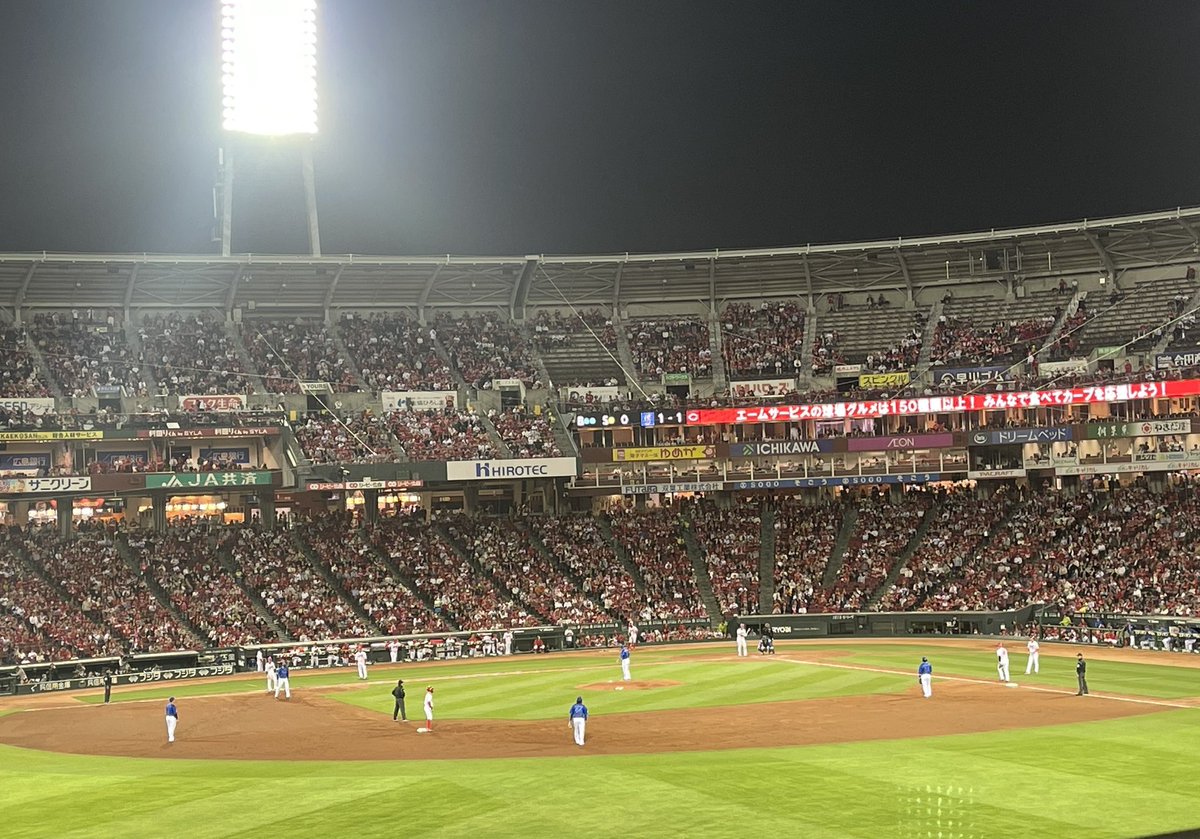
[{"x": 312, "y": 727}]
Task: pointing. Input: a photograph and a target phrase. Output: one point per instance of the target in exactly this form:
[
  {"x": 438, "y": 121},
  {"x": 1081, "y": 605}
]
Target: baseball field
[{"x": 822, "y": 739}]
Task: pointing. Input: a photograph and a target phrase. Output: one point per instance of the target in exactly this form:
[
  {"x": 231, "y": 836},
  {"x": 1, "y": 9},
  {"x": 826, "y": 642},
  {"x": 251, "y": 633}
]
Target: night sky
[{"x": 560, "y": 126}]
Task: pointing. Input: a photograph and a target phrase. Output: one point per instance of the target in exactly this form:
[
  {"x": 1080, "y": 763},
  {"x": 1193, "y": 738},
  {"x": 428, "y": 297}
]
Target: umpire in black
[
  {"x": 1081, "y": 674},
  {"x": 398, "y": 692},
  {"x": 108, "y": 683}
]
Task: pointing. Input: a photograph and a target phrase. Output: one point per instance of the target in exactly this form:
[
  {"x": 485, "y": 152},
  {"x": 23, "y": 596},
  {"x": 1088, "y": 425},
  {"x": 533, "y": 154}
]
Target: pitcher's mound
[{"x": 634, "y": 685}]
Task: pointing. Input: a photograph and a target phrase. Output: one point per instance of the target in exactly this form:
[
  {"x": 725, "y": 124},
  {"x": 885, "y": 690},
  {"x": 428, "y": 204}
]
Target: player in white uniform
[
  {"x": 508, "y": 641},
  {"x": 1033, "y": 648},
  {"x": 633, "y": 635},
  {"x": 360, "y": 658},
  {"x": 394, "y": 650},
  {"x": 269, "y": 669},
  {"x": 429, "y": 708},
  {"x": 741, "y": 640},
  {"x": 1002, "y": 661},
  {"x": 258, "y": 661},
  {"x": 314, "y": 656},
  {"x": 172, "y": 719}
]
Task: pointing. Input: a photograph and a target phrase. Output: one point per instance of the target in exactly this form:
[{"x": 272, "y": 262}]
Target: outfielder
[
  {"x": 360, "y": 658},
  {"x": 270, "y": 669},
  {"x": 1032, "y": 664},
  {"x": 429, "y": 708},
  {"x": 1002, "y": 661},
  {"x": 282, "y": 682},
  {"x": 925, "y": 677},
  {"x": 741, "y": 640},
  {"x": 578, "y": 718},
  {"x": 625, "y": 663},
  {"x": 172, "y": 719}
]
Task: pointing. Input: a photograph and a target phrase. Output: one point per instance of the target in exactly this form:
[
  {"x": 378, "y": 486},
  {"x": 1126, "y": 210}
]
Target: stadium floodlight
[{"x": 269, "y": 66}]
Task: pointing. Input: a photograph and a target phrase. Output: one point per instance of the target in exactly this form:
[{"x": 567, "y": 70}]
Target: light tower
[{"x": 269, "y": 84}]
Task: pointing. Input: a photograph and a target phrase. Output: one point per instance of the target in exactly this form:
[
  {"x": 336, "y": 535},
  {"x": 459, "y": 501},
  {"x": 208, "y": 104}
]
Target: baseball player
[
  {"x": 741, "y": 640},
  {"x": 398, "y": 693},
  {"x": 508, "y": 641},
  {"x": 1002, "y": 661},
  {"x": 633, "y": 635},
  {"x": 314, "y": 657},
  {"x": 393, "y": 650},
  {"x": 429, "y": 708},
  {"x": 270, "y": 669},
  {"x": 331, "y": 656},
  {"x": 625, "y": 663},
  {"x": 282, "y": 682},
  {"x": 360, "y": 658},
  {"x": 1032, "y": 664},
  {"x": 172, "y": 719},
  {"x": 258, "y": 661},
  {"x": 578, "y": 717},
  {"x": 925, "y": 677}
]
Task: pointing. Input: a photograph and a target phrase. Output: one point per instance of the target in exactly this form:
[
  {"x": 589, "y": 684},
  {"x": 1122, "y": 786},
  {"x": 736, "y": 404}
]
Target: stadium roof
[{"x": 282, "y": 283}]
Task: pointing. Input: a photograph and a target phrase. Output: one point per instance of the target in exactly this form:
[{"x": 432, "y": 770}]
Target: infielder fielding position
[{"x": 578, "y": 717}]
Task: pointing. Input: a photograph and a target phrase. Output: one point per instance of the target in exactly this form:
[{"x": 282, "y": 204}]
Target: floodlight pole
[
  {"x": 310, "y": 199},
  {"x": 226, "y": 157}
]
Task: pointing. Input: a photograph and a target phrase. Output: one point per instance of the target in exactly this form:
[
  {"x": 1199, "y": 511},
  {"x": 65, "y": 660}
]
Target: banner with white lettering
[
  {"x": 24, "y": 464},
  {"x": 508, "y": 470},
  {"x": 419, "y": 400},
  {"x": 950, "y": 376},
  {"x": 1177, "y": 359},
  {"x": 223, "y": 403}
]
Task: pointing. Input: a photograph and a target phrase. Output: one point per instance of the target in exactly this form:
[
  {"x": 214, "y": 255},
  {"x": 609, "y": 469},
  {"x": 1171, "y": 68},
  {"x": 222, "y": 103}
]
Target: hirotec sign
[
  {"x": 664, "y": 453},
  {"x": 508, "y": 470},
  {"x": 207, "y": 480}
]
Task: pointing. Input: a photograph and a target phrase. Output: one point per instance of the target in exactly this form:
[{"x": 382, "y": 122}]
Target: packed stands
[
  {"x": 352, "y": 560},
  {"x": 358, "y": 438},
  {"x": 448, "y": 434},
  {"x": 763, "y": 341},
  {"x": 578, "y": 543},
  {"x": 84, "y": 354},
  {"x": 301, "y": 600},
  {"x": 394, "y": 352},
  {"x": 485, "y": 348},
  {"x": 731, "y": 541},
  {"x": 182, "y": 562},
  {"x": 670, "y": 345},
  {"x": 193, "y": 354},
  {"x": 287, "y": 353},
  {"x": 655, "y": 545},
  {"x": 18, "y": 370},
  {"x": 805, "y": 534},
  {"x": 525, "y": 433}
]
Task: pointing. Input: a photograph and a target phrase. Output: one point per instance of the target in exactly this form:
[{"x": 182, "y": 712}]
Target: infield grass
[{"x": 1118, "y": 778}]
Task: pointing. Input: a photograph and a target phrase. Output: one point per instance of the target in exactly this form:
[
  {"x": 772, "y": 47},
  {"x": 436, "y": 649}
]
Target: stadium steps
[
  {"x": 409, "y": 583},
  {"x": 327, "y": 574},
  {"x": 1068, "y": 311},
  {"x": 804, "y": 382},
  {"x": 700, "y": 570},
  {"x": 121, "y": 543},
  {"x": 233, "y": 331},
  {"x": 565, "y": 570},
  {"x": 914, "y": 542},
  {"x": 715, "y": 340},
  {"x": 224, "y": 556},
  {"x": 444, "y": 355},
  {"x": 931, "y": 323},
  {"x": 43, "y": 370},
  {"x": 626, "y": 356},
  {"x": 336, "y": 334},
  {"x": 35, "y": 569},
  {"x": 134, "y": 340},
  {"x": 502, "y": 448},
  {"x": 766, "y": 558},
  {"x": 622, "y": 555},
  {"x": 468, "y": 556},
  {"x": 582, "y": 358},
  {"x": 1169, "y": 334},
  {"x": 837, "y": 557}
]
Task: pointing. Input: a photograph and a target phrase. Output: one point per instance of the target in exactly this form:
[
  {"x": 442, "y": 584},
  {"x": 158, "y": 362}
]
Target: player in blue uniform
[
  {"x": 578, "y": 716},
  {"x": 625, "y": 663},
  {"x": 925, "y": 677},
  {"x": 172, "y": 719},
  {"x": 282, "y": 682}
]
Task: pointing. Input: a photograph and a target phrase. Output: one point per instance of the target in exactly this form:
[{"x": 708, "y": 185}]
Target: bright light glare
[{"x": 269, "y": 66}]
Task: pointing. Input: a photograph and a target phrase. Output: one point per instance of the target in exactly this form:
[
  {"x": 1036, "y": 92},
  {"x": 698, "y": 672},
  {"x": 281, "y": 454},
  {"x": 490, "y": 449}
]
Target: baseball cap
[
  {"x": 578, "y": 698},
  {"x": 170, "y": 698},
  {"x": 923, "y": 658}
]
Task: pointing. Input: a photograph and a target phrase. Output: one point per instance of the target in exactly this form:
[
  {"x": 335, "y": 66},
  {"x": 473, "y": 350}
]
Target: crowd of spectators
[
  {"x": 184, "y": 564},
  {"x": 670, "y": 345},
  {"x": 193, "y": 354},
  {"x": 902, "y": 356},
  {"x": 448, "y": 434},
  {"x": 731, "y": 542},
  {"x": 655, "y": 544},
  {"x": 578, "y": 543},
  {"x": 485, "y": 348},
  {"x": 84, "y": 354},
  {"x": 763, "y": 341},
  {"x": 394, "y": 352},
  {"x": 274, "y": 566},
  {"x": 287, "y": 353},
  {"x": 18, "y": 370},
  {"x": 526, "y": 434},
  {"x": 358, "y": 438},
  {"x": 960, "y": 343},
  {"x": 352, "y": 560},
  {"x": 805, "y": 534}
]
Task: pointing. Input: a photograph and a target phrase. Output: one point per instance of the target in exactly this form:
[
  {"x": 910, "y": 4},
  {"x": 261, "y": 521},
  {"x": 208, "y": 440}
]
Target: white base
[
  {"x": 1011, "y": 685},
  {"x": 422, "y": 730}
]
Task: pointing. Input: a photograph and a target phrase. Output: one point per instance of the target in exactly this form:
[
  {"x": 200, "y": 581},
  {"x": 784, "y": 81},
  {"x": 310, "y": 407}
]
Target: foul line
[{"x": 973, "y": 681}]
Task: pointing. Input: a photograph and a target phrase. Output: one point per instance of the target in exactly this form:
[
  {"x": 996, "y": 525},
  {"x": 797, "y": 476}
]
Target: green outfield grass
[{"x": 1125, "y": 777}]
